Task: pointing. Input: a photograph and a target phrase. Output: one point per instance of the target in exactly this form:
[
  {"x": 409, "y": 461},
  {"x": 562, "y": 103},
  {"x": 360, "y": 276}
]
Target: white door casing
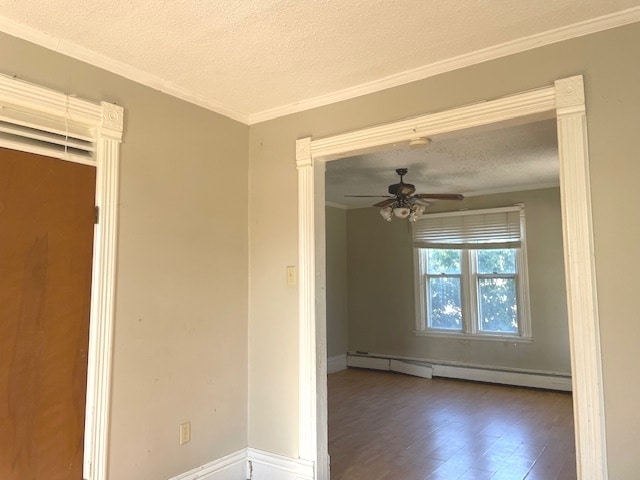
[
  {"x": 565, "y": 99},
  {"x": 46, "y": 122}
]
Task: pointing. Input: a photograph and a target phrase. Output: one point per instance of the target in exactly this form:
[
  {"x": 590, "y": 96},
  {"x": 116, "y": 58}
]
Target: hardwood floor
[{"x": 384, "y": 425}]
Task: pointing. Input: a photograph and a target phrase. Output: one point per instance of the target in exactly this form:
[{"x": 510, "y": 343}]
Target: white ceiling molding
[
  {"x": 595, "y": 25},
  {"x": 244, "y": 115},
  {"x": 83, "y": 54}
]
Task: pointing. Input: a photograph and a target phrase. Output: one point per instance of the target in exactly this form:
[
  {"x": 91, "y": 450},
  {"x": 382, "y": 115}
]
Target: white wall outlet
[{"x": 185, "y": 432}]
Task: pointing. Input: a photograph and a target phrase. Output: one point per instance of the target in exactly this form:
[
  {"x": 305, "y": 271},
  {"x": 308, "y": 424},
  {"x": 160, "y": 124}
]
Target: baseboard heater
[
  {"x": 479, "y": 374},
  {"x": 389, "y": 364}
]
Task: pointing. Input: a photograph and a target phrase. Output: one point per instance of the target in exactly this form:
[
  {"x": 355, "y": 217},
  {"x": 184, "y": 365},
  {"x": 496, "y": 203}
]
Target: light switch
[
  {"x": 185, "y": 432},
  {"x": 291, "y": 275}
]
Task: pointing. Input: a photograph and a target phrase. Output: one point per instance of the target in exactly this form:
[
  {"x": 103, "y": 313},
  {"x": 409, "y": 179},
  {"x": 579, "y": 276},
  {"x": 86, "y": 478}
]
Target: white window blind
[
  {"x": 470, "y": 229},
  {"x": 36, "y": 133}
]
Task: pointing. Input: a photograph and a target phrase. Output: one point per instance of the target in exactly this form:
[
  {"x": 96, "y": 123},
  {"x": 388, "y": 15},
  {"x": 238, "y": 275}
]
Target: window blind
[
  {"x": 45, "y": 136},
  {"x": 471, "y": 229}
]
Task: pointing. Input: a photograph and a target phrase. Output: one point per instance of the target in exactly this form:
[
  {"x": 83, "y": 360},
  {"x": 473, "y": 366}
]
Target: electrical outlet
[{"x": 185, "y": 432}]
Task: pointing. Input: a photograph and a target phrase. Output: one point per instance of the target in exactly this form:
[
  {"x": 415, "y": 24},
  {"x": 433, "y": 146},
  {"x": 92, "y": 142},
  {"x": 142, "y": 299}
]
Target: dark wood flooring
[{"x": 384, "y": 425}]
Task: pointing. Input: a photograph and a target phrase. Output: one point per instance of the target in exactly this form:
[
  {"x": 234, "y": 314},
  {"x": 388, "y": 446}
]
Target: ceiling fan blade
[
  {"x": 441, "y": 196},
  {"x": 369, "y": 196},
  {"x": 384, "y": 203},
  {"x": 421, "y": 201}
]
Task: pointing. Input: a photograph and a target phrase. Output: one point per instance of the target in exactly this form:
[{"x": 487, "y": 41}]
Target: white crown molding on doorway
[
  {"x": 568, "y": 32},
  {"x": 565, "y": 100},
  {"x": 102, "y": 124},
  {"x": 78, "y": 52}
]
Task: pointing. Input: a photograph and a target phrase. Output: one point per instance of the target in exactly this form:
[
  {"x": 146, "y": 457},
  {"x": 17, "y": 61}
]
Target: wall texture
[
  {"x": 612, "y": 78},
  {"x": 180, "y": 348},
  {"x": 337, "y": 299},
  {"x": 382, "y": 301}
]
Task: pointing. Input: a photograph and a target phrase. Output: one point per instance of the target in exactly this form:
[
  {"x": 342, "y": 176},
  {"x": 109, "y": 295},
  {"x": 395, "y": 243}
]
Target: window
[{"x": 471, "y": 274}]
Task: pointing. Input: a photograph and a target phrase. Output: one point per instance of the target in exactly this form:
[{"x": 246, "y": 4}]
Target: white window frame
[{"x": 469, "y": 299}]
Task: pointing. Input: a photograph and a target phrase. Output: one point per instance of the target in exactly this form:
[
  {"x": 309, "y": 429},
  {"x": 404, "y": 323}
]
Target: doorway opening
[
  {"x": 45, "y": 122},
  {"x": 564, "y": 100},
  {"x": 498, "y": 169}
]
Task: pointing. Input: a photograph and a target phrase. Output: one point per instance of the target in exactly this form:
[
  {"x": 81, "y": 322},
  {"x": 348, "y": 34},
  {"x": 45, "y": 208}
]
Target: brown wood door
[{"x": 46, "y": 245}]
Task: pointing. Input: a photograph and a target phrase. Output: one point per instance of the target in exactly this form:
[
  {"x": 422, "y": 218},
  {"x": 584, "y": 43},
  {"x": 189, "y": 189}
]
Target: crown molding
[
  {"x": 70, "y": 49},
  {"x": 606, "y": 22},
  {"x": 83, "y": 54}
]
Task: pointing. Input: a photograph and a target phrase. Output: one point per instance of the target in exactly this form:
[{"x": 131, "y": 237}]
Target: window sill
[{"x": 469, "y": 336}]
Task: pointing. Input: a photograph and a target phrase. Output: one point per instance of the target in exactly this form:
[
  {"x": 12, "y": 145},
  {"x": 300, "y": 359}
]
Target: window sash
[{"x": 469, "y": 278}]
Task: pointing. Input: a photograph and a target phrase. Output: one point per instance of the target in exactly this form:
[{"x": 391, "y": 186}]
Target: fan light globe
[
  {"x": 401, "y": 212},
  {"x": 386, "y": 213}
]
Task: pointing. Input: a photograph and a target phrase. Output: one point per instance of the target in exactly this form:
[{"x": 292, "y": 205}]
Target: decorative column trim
[
  {"x": 582, "y": 301},
  {"x": 306, "y": 289}
]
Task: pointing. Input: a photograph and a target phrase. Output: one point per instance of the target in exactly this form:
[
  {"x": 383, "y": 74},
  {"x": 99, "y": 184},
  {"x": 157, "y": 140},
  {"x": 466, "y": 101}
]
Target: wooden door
[{"x": 46, "y": 244}]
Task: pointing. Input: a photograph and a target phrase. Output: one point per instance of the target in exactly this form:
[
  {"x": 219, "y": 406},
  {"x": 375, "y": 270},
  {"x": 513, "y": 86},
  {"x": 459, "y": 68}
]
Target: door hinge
[{"x": 97, "y": 216}]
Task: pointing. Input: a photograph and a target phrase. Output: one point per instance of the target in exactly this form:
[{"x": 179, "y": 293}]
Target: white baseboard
[
  {"x": 263, "y": 465},
  {"x": 373, "y": 363},
  {"x": 337, "y": 363},
  {"x": 377, "y": 363},
  {"x": 537, "y": 380},
  {"x": 230, "y": 467},
  {"x": 520, "y": 378},
  {"x": 251, "y": 464},
  {"x": 424, "y": 371}
]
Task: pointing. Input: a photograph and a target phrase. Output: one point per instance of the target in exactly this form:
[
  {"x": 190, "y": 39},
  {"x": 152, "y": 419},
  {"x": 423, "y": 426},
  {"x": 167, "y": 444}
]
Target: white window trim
[
  {"x": 471, "y": 328},
  {"x": 565, "y": 100},
  {"x": 104, "y": 121}
]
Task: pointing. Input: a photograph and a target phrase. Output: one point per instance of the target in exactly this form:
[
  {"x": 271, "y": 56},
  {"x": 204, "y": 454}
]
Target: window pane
[
  {"x": 443, "y": 261},
  {"x": 501, "y": 260},
  {"x": 497, "y": 305},
  {"x": 444, "y": 299}
]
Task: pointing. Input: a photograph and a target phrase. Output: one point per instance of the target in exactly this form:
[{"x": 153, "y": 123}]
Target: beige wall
[
  {"x": 181, "y": 309},
  {"x": 608, "y": 61},
  {"x": 382, "y": 301},
  {"x": 337, "y": 300},
  {"x": 180, "y": 339}
]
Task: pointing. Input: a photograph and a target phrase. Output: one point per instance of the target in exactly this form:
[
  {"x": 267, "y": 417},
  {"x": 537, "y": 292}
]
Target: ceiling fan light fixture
[
  {"x": 401, "y": 212},
  {"x": 386, "y": 213},
  {"x": 416, "y": 212}
]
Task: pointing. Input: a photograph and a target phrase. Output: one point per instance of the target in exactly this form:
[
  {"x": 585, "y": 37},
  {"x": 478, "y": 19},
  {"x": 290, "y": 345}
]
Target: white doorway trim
[
  {"x": 29, "y": 109},
  {"x": 565, "y": 100}
]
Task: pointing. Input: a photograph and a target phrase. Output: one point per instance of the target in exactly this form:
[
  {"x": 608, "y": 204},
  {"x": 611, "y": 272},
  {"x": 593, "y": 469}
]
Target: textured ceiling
[
  {"x": 478, "y": 161},
  {"x": 253, "y": 60}
]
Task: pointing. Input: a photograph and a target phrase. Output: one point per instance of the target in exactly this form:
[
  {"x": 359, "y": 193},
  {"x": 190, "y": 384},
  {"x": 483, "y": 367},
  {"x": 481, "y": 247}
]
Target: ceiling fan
[{"x": 403, "y": 203}]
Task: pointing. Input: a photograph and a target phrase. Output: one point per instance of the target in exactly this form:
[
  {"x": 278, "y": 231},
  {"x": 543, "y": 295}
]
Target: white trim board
[
  {"x": 229, "y": 467},
  {"x": 251, "y": 464},
  {"x": 263, "y": 465},
  {"x": 520, "y": 378},
  {"x": 103, "y": 124},
  {"x": 549, "y": 37},
  {"x": 535, "y": 380},
  {"x": 566, "y": 101},
  {"x": 337, "y": 363},
  {"x": 390, "y": 364}
]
